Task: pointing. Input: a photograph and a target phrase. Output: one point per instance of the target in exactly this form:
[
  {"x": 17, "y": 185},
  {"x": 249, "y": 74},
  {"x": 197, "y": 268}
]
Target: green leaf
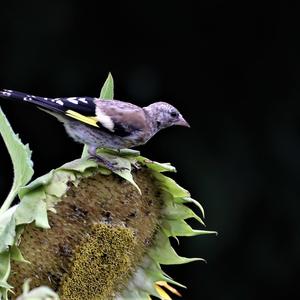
[
  {"x": 17, "y": 255},
  {"x": 190, "y": 200},
  {"x": 175, "y": 211},
  {"x": 170, "y": 186},
  {"x": 7, "y": 229},
  {"x": 21, "y": 159},
  {"x": 156, "y": 166},
  {"x": 126, "y": 174},
  {"x": 164, "y": 254},
  {"x": 33, "y": 208},
  {"x": 181, "y": 228},
  {"x": 57, "y": 186},
  {"x": 41, "y": 181},
  {"x": 79, "y": 165},
  {"x": 123, "y": 152},
  {"x": 4, "y": 274},
  {"x": 124, "y": 164},
  {"x": 5, "y": 265},
  {"x": 39, "y": 293},
  {"x": 85, "y": 152},
  {"x": 107, "y": 91},
  {"x": 7, "y": 234}
]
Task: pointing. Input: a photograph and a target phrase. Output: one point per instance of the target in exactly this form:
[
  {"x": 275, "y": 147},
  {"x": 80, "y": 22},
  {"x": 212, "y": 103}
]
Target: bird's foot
[
  {"x": 113, "y": 166},
  {"x": 137, "y": 165}
]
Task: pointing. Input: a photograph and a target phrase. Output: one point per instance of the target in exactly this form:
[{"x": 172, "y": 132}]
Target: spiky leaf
[
  {"x": 107, "y": 91},
  {"x": 20, "y": 155}
]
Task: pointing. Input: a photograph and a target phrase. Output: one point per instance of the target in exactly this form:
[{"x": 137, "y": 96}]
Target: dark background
[{"x": 232, "y": 69}]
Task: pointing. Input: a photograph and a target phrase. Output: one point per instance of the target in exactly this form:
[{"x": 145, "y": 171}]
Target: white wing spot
[
  {"x": 7, "y": 94},
  {"x": 59, "y": 102},
  {"x": 104, "y": 119},
  {"x": 72, "y": 100},
  {"x": 82, "y": 100}
]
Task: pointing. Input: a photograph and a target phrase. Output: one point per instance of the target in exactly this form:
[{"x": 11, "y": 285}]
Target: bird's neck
[{"x": 151, "y": 117}]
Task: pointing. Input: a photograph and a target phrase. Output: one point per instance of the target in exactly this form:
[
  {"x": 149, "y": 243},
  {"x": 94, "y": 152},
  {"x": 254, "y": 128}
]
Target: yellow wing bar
[{"x": 88, "y": 120}]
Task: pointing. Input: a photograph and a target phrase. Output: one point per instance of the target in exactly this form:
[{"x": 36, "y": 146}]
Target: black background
[{"x": 232, "y": 69}]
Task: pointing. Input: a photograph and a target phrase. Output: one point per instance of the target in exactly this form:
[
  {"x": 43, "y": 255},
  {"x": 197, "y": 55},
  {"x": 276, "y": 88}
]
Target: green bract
[{"x": 107, "y": 91}]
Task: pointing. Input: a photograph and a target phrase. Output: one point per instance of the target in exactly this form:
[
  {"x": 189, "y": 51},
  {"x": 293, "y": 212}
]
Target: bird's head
[{"x": 164, "y": 115}]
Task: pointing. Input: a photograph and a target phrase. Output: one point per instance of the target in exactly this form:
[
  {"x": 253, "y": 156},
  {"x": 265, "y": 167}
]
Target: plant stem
[{"x": 8, "y": 201}]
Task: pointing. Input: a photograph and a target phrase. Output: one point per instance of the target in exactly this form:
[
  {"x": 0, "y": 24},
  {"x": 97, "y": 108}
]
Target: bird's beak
[{"x": 182, "y": 122}]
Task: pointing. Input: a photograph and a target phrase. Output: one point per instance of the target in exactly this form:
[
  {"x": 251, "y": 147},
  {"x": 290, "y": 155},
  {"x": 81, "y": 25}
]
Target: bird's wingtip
[{"x": 5, "y": 92}]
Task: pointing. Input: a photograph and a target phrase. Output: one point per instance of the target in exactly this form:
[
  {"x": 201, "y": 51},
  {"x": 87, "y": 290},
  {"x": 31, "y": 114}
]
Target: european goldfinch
[{"x": 101, "y": 123}]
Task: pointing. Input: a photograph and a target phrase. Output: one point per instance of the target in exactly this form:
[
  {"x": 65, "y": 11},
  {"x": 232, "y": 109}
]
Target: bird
[{"x": 99, "y": 123}]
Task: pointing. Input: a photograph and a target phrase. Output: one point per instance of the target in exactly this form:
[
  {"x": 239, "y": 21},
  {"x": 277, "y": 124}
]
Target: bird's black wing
[
  {"x": 79, "y": 108},
  {"x": 118, "y": 117}
]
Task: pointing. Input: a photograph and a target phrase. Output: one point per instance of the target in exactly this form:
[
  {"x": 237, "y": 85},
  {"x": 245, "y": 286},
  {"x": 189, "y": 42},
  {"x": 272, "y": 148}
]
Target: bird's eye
[{"x": 174, "y": 114}]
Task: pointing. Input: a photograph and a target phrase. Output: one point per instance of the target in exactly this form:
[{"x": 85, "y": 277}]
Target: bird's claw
[
  {"x": 137, "y": 165},
  {"x": 113, "y": 166}
]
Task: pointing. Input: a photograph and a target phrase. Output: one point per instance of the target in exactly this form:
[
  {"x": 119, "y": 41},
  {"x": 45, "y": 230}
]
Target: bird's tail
[{"x": 46, "y": 103}]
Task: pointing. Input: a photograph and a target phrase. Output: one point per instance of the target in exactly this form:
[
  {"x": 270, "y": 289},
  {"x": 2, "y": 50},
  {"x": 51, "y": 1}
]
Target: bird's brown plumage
[{"x": 125, "y": 116}]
